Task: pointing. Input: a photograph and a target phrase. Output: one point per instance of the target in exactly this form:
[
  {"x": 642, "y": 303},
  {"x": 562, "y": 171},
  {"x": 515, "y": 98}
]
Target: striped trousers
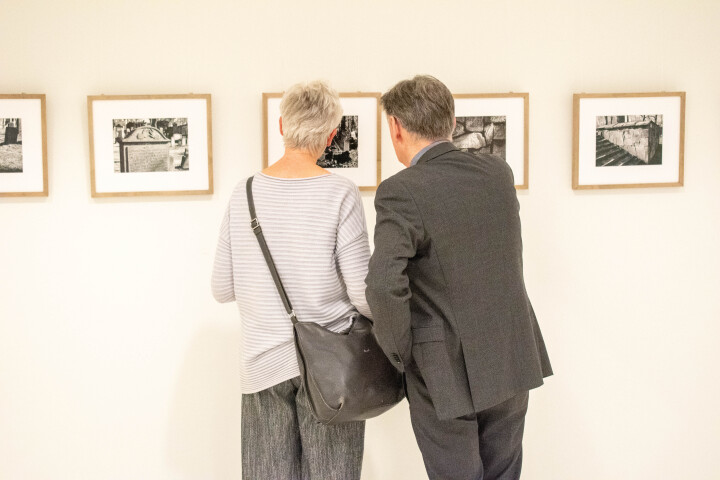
[{"x": 282, "y": 440}]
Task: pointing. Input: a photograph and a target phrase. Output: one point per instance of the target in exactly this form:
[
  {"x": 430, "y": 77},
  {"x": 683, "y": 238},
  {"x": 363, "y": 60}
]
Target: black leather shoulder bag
[{"x": 347, "y": 376}]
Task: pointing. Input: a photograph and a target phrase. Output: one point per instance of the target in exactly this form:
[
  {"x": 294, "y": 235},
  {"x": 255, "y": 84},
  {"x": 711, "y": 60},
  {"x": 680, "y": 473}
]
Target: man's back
[
  {"x": 474, "y": 336},
  {"x": 446, "y": 289}
]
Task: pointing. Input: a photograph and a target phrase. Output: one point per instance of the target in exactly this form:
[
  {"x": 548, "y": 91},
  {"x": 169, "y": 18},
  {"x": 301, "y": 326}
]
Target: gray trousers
[
  {"x": 281, "y": 440},
  {"x": 482, "y": 446}
]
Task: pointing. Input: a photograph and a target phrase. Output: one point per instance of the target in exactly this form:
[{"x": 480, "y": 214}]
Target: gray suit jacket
[{"x": 446, "y": 285}]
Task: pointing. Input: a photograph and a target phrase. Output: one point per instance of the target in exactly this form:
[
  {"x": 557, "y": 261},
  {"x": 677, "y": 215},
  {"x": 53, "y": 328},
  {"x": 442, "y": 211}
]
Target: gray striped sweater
[{"x": 316, "y": 232}]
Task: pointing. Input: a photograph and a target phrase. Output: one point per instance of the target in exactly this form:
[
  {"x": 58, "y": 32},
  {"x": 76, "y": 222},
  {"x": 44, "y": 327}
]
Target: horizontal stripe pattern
[{"x": 316, "y": 232}]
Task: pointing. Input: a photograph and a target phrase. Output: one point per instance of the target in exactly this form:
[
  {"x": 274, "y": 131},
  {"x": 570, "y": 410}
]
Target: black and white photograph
[
  {"x": 480, "y": 135},
  {"x": 628, "y": 140},
  {"x": 625, "y": 140},
  {"x": 23, "y": 146},
  {"x": 11, "y": 158},
  {"x": 354, "y": 152},
  {"x": 495, "y": 124},
  {"x": 343, "y": 151},
  {"x": 141, "y": 144},
  {"x": 151, "y": 145}
]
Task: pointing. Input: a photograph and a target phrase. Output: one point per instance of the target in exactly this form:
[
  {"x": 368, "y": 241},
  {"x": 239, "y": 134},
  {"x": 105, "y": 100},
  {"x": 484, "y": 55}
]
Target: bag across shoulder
[{"x": 347, "y": 376}]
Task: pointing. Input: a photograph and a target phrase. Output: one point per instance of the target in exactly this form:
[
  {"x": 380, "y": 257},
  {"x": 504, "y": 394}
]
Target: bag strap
[{"x": 257, "y": 230}]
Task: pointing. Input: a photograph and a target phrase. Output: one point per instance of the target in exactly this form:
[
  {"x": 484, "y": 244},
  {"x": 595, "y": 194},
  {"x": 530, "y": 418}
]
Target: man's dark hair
[{"x": 423, "y": 105}]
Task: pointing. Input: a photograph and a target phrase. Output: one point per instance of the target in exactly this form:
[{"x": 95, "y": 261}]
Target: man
[{"x": 446, "y": 289}]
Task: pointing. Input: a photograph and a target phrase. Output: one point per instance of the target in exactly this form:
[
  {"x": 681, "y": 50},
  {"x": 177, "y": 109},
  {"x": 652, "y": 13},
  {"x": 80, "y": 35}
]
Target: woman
[{"x": 314, "y": 225}]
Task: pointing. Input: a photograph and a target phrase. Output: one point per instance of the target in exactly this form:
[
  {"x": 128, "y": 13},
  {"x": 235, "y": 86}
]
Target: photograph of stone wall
[
  {"x": 150, "y": 145},
  {"x": 625, "y": 140},
  {"x": 343, "y": 151},
  {"x": 480, "y": 135},
  {"x": 11, "y": 158}
]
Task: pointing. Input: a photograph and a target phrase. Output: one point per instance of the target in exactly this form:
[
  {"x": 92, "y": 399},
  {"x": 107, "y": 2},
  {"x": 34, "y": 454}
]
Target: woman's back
[{"x": 315, "y": 230}]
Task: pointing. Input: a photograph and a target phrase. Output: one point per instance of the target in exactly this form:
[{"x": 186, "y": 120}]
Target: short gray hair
[
  {"x": 310, "y": 112},
  {"x": 423, "y": 105}
]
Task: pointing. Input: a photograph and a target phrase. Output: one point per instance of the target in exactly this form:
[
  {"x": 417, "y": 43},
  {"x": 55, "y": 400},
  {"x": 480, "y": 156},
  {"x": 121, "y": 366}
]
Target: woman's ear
[
  {"x": 281, "y": 131},
  {"x": 330, "y": 138}
]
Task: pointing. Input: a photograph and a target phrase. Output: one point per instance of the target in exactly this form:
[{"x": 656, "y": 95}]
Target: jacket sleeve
[
  {"x": 399, "y": 232},
  {"x": 223, "y": 286}
]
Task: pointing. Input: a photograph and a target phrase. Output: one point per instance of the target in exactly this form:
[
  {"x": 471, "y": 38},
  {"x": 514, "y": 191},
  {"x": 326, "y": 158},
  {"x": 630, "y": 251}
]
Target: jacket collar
[{"x": 439, "y": 149}]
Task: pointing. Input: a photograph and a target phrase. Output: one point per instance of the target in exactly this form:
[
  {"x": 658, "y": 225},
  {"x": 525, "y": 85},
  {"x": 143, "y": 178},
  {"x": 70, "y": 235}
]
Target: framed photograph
[
  {"x": 23, "y": 146},
  {"x": 628, "y": 140},
  {"x": 355, "y": 150},
  {"x": 495, "y": 123},
  {"x": 150, "y": 145}
]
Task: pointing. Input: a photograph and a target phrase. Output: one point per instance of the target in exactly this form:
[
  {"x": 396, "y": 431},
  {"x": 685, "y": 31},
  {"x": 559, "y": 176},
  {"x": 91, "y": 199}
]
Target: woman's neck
[{"x": 296, "y": 164}]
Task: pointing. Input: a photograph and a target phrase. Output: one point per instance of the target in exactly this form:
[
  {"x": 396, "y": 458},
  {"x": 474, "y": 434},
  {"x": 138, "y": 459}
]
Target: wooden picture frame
[
  {"x": 498, "y": 124},
  {"x": 628, "y": 140},
  {"x": 150, "y": 145},
  {"x": 355, "y": 152},
  {"x": 23, "y": 146}
]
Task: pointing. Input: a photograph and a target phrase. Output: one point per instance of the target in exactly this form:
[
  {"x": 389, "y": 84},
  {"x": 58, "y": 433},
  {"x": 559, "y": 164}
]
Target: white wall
[{"x": 115, "y": 363}]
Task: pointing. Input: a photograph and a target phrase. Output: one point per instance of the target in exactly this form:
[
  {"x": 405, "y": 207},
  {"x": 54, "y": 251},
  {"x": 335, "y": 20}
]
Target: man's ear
[
  {"x": 281, "y": 130},
  {"x": 330, "y": 138},
  {"x": 395, "y": 130}
]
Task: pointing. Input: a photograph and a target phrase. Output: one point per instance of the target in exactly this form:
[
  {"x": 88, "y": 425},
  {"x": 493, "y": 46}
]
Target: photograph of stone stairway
[
  {"x": 624, "y": 140},
  {"x": 610, "y": 155},
  {"x": 644, "y": 132}
]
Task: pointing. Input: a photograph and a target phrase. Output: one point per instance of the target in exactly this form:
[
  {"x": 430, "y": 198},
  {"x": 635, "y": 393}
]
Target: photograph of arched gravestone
[
  {"x": 141, "y": 144},
  {"x": 150, "y": 145},
  {"x": 11, "y": 158}
]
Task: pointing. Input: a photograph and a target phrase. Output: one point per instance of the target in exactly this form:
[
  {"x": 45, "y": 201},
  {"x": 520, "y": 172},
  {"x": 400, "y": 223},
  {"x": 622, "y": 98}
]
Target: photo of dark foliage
[{"x": 343, "y": 151}]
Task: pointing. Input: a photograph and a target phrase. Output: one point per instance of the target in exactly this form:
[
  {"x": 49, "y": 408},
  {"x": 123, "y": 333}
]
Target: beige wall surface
[{"x": 115, "y": 362}]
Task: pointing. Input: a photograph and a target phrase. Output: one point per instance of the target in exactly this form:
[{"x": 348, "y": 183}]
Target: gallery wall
[{"x": 115, "y": 362}]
